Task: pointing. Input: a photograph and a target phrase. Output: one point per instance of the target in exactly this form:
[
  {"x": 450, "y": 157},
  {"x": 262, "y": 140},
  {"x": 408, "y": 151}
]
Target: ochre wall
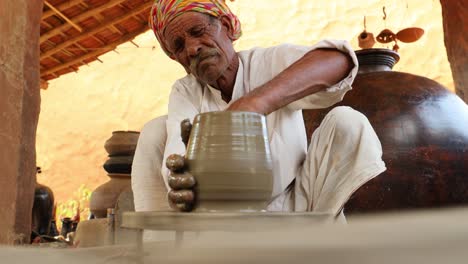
[{"x": 80, "y": 110}]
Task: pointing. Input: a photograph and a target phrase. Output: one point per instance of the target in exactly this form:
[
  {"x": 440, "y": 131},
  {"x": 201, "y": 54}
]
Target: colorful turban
[{"x": 163, "y": 11}]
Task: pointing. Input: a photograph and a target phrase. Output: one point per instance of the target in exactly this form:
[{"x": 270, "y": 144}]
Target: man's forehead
[{"x": 184, "y": 22}]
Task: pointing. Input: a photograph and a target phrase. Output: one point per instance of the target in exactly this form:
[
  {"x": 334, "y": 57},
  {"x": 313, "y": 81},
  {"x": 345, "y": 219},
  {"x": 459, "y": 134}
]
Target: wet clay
[{"x": 229, "y": 155}]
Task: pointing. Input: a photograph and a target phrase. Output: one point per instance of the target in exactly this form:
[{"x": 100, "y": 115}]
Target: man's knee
[
  {"x": 155, "y": 131},
  {"x": 152, "y": 139},
  {"x": 348, "y": 121},
  {"x": 157, "y": 125}
]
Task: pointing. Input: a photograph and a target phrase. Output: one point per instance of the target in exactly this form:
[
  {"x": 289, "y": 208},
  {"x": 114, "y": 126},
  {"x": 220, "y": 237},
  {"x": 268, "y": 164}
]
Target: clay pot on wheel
[
  {"x": 106, "y": 195},
  {"x": 122, "y": 143},
  {"x": 229, "y": 155},
  {"x": 423, "y": 129}
]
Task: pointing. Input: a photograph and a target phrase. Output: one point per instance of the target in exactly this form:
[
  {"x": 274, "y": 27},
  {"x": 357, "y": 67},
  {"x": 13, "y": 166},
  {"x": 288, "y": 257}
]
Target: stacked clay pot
[
  {"x": 121, "y": 148},
  {"x": 423, "y": 129}
]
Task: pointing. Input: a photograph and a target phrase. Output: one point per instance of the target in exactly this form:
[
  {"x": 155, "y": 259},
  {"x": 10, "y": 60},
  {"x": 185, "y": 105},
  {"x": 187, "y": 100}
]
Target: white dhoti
[{"x": 344, "y": 153}]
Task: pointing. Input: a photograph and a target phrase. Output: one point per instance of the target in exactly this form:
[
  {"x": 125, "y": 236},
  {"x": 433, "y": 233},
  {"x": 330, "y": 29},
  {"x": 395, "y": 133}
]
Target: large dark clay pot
[
  {"x": 423, "y": 129},
  {"x": 42, "y": 212}
]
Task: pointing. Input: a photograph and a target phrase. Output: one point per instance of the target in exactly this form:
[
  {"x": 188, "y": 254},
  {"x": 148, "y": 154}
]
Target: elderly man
[{"x": 278, "y": 82}]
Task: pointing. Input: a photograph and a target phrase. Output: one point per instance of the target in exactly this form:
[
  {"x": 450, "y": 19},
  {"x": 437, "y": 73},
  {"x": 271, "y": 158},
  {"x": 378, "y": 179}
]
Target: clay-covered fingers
[
  {"x": 182, "y": 200},
  {"x": 175, "y": 163},
  {"x": 185, "y": 129},
  {"x": 181, "y": 196},
  {"x": 181, "y": 181}
]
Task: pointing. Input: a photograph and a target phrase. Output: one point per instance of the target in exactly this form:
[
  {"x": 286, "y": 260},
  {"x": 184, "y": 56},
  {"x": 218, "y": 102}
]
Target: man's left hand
[{"x": 248, "y": 104}]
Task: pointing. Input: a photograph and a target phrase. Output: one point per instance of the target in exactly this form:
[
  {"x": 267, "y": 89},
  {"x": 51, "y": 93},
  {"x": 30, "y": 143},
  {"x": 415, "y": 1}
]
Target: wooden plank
[
  {"x": 79, "y": 18},
  {"x": 222, "y": 221},
  {"x": 95, "y": 30},
  {"x": 96, "y": 53}
]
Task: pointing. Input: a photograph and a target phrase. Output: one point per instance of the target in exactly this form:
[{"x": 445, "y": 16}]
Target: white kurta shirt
[{"x": 286, "y": 130}]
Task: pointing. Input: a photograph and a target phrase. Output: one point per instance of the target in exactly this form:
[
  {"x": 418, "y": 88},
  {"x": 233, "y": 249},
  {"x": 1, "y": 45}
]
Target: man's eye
[
  {"x": 178, "y": 45},
  {"x": 196, "y": 32}
]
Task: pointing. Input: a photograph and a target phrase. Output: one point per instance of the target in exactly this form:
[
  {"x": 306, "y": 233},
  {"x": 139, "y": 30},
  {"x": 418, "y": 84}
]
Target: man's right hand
[{"x": 181, "y": 196}]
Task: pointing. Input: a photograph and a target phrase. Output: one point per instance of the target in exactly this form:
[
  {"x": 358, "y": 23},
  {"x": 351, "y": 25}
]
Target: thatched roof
[{"x": 77, "y": 32}]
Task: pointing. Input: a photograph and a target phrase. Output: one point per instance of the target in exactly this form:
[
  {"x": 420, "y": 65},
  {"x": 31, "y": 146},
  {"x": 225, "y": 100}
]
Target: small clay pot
[
  {"x": 122, "y": 143},
  {"x": 366, "y": 40},
  {"x": 66, "y": 226},
  {"x": 229, "y": 155},
  {"x": 119, "y": 164}
]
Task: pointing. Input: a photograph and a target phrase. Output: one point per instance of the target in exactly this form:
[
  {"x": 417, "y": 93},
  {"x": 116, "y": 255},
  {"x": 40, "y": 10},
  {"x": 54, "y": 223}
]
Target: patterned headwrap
[{"x": 163, "y": 11}]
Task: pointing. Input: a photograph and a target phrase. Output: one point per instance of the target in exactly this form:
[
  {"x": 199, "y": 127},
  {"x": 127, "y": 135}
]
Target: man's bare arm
[{"x": 315, "y": 71}]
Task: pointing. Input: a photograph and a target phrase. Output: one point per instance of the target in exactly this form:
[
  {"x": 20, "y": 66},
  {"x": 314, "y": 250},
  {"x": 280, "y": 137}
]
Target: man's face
[{"x": 201, "y": 44}]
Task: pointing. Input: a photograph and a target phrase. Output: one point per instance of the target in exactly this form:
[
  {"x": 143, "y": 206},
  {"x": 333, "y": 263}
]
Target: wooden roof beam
[
  {"x": 96, "y": 53},
  {"x": 79, "y": 18},
  {"x": 63, "y": 16},
  {"x": 63, "y": 6},
  {"x": 47, "y": 24},
  {"x": 81, "y": 47},
  {"x": 56, "y": 60},
  {"x": 95, "y": 30},
  {"x": 137, "y": 18},
  {"x": 99, "y": 40}
]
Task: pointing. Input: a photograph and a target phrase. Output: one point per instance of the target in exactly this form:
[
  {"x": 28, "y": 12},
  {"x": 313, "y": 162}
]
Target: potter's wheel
[{"x": 222, "y": 221}]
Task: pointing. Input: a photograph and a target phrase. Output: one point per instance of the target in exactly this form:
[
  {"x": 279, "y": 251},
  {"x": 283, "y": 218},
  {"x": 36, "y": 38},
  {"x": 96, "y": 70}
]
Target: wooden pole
[
  {"x": 19, "y": 108},
  {"x": 455, "y": 20}
]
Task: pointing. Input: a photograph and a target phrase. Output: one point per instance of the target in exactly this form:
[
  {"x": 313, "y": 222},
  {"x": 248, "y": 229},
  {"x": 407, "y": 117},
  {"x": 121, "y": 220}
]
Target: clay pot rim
[
  {"x": 125, "y": 131},
  {"x": 231, "y": 113},
  {"x": 382, "y": 51}
]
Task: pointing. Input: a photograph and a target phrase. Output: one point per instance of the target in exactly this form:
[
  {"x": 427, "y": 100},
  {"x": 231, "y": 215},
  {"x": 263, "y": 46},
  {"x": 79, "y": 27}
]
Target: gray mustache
[{"x": 203, "y": 55}]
